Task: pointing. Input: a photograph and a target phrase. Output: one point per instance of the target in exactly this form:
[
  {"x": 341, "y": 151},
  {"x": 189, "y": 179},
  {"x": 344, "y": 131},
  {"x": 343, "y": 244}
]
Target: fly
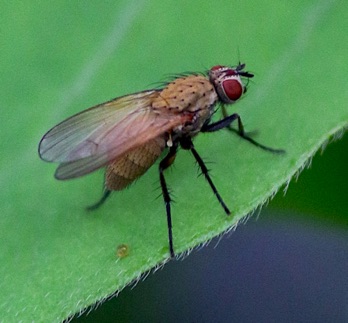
[{"x": 128, "y": 134}]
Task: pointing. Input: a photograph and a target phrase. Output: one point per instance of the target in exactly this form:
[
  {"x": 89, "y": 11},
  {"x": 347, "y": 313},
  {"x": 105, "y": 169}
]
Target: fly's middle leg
[{"x": 188, "y": 145}]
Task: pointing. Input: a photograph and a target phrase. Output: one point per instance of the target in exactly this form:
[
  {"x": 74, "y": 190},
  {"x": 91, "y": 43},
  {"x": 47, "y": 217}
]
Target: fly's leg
[
  {"x": 226, "y": 123},
  {"x": 95, "y": 206},
  {"x": 225, "y": 115},
  {"x": 164, "y": 164},
  {"x": 188, "y": 144}
]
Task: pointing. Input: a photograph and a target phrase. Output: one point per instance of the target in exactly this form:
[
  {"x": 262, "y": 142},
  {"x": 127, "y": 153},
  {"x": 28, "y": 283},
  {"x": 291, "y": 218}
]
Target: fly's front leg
[
  {"x": 226, "y": 123},
  {"x": 164, "y": 164}
]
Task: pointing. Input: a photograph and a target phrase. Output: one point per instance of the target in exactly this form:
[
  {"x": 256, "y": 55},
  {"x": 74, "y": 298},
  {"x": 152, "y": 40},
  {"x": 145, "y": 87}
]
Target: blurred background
[{"x": 289, "y": 263}]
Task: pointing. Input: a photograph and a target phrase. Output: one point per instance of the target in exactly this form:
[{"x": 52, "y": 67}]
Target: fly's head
[{"x": 228, "y": 82}]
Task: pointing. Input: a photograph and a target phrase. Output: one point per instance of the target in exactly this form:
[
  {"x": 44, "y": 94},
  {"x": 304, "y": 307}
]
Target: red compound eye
[{"x": 233, "y": 89}]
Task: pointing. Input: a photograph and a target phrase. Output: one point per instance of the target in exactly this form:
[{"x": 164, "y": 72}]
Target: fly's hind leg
[
  {"x": 164, "y": 164},
  {"x": 95, "y": 206}
]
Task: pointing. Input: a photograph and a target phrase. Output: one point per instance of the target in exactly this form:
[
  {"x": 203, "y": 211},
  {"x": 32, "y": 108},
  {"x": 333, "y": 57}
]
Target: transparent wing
[
  {"x": 77, "y": 136},
  {"x": 95, "y": 137}
]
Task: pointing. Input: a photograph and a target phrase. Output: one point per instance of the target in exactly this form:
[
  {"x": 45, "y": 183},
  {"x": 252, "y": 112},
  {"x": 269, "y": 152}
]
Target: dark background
[{"x": 287, "y": 265}]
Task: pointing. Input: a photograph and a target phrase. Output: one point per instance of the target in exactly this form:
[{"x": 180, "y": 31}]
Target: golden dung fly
[{"x": 128, "y": 134}]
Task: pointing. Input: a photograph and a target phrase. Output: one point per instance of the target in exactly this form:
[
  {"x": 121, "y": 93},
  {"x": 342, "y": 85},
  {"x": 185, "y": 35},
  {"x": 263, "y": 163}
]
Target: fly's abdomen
[{"x": 124, "y": 170}]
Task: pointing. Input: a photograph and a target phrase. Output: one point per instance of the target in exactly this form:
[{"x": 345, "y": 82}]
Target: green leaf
[{"x": 58, "y": 59}]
